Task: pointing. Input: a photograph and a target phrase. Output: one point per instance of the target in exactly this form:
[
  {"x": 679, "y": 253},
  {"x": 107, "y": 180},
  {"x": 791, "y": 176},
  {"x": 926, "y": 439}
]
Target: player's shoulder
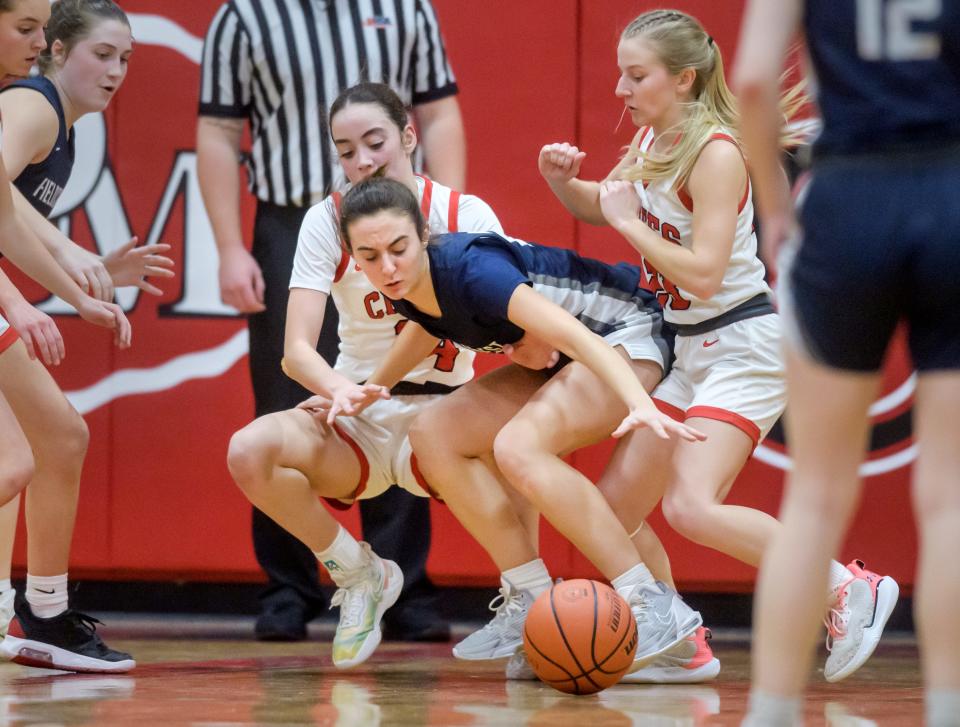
[{"x": 321, "y": 223}]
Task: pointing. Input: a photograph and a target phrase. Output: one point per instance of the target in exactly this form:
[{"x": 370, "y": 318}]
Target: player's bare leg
[
  {"x": 456, "y": 461},
  {"x": 937, "y": 505},
  {"x": 574, "y": 409},
  {"x": 633, "y": 482},
  {"x": 283, "y": 462},
  {"x": 828, "y": 425},
  {"x": 56, "y": 636}
]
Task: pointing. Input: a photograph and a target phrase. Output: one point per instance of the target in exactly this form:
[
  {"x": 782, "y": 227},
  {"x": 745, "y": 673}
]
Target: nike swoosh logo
[
  {"x": 40, "y": 590},
  {"x": 708, "y": 344}
]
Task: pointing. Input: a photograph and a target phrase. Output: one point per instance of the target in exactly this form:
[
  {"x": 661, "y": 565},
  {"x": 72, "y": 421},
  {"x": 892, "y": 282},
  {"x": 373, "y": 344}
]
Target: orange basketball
[{"x": 580, "y": 636}]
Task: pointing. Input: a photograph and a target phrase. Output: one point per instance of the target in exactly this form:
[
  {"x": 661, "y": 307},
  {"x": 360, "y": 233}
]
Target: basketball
[{"x": 580, "y": 636}]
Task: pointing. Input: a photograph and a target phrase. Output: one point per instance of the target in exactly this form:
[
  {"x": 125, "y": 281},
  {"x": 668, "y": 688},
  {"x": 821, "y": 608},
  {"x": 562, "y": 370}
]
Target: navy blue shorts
[{"x": 881, "y": 244}]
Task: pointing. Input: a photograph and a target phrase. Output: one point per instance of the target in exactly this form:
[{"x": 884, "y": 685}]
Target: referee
[{"x": 279, "y": 64}]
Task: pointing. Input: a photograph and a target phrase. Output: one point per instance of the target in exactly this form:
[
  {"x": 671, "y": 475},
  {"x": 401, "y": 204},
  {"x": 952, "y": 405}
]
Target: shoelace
[
  {"x": 350, "y": 596},
  {"x": 505, "y": 604},
  {"x": 639, "y": 605},
  {"x": 838, "y": 616}
]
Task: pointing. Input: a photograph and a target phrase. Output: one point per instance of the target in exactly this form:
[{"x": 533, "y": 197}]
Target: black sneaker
[{"x": 68, "y": 641}]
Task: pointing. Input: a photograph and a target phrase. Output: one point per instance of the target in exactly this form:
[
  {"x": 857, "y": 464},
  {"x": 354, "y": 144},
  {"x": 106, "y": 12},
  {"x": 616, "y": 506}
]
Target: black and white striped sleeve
[
  {"x": 432, "y": 76},
  {"x": 225, "y": 75}
]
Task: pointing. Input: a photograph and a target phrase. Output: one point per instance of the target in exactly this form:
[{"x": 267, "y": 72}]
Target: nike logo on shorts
[{"x": 708, "y": 344}]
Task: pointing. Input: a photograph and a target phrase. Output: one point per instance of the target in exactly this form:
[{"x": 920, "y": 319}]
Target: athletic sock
[
  {"x": 638, "y": 575},
  {"x": 5, "y": 585},
  {"x": 532, "y": 577},
  {"x": 768, "y": 710},
  {"x": 343, "y": 554},
  {"x": 943, "y": 707},
  {"x": 47, "y": 595}
]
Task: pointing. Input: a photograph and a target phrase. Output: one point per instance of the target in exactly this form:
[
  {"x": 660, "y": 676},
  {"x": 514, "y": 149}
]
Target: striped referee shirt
[{"x": 281, "y": 63}]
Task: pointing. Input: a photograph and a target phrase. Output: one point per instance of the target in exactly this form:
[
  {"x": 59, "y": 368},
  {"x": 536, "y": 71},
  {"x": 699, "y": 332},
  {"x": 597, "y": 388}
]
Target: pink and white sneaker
[
  {"x": 855, "y": 622},
  {"x": 689, "y": 662}
]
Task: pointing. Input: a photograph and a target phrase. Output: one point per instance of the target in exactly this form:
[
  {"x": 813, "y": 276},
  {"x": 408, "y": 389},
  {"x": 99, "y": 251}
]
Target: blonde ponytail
[{"x": 681, "y": 42}]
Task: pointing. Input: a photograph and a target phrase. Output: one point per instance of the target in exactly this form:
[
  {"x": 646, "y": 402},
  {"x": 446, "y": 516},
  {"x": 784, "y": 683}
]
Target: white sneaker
[
  {"x": 363, "y": 596},
  {"x": 855, "y": 622},
  {"x": 663, "y": 621},
  {"x": 518, "y": 667},
  {"x": 6, "y": 611},
  {"x": 503, "y": 635},
  {"x": 689, "y": 662}
]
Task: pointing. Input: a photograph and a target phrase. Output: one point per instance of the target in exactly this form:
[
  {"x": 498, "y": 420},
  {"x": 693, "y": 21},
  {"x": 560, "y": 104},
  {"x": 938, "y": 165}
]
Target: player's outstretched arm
[
  {"x": 544, "y": 319},
  {"x": 412, "y": 346},
  {"x": 301, "y": 362}
]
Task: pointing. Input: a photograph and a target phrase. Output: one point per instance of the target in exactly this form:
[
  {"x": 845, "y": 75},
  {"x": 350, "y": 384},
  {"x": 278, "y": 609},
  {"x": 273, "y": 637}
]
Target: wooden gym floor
[{"x": 219, "y": 682}]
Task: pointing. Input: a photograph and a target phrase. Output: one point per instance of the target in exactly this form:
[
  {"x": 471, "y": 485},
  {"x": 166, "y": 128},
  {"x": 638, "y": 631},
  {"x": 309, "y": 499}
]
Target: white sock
[
  {"x": 768, "y": 710},
  {"x": 343, "y": 554},
  {"x": 943, "y": 707},
  {"x": 5, "y": 585},
  {"x": 532, "y": 577},
  {"x": 47, "y": 595},
  {"x": 839, "y": 574},
  {"x": 625, "y": 582}
]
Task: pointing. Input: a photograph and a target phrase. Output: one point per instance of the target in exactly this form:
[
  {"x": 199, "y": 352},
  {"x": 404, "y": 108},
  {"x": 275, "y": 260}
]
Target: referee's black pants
[{"x": 396, "y": 524}]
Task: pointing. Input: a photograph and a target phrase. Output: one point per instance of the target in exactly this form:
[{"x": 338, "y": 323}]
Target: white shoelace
[
  {"x": 639, "y": 604},
  {"x": 504, "y": 604},
  {"x": 351, "y": 595},
  {"x": 838, "y": 616}
]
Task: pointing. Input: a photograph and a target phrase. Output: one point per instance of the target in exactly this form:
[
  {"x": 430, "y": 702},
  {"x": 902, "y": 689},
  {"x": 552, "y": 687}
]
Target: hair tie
[{"x": 709, "y": 40}]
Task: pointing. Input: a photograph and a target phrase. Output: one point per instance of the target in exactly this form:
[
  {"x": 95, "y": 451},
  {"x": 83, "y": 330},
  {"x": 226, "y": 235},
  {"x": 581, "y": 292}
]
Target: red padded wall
[{"x": 157, "y": 500}]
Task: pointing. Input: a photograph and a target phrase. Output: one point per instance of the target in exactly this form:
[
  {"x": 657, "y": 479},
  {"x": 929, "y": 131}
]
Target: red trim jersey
[
  {"x": 368, "y": 322},
  {"x": 670, "y": 213}
]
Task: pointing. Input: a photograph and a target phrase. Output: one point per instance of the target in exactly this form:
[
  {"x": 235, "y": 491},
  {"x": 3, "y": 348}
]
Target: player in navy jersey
[
  {"x": 86, "y": 62},
  {"x": 488, "y": 292},
  {"x": 284, "y": 460},
  {"x": 877, "y": 244}
]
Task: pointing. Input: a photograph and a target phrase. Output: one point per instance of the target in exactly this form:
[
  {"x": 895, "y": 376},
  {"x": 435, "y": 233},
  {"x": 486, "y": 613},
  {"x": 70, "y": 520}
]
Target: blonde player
[
  {"x": 282, "y": 461},
  {"x": 681, "y": 197},
  {"x": 486, "y": 291}
]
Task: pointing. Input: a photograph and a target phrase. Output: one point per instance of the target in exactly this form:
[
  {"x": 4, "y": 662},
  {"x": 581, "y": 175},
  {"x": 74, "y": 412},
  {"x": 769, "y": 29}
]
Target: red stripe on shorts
[
  {"x": 674, "y": 412},
  {"x": 723, "y": 415},
  {"x": 8, "y": 338},
  {"x": 421, "y": 480},
  {"x": 339, "y": 504}
]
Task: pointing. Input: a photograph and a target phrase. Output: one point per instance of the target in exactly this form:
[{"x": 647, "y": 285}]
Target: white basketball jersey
[
  {"x": 670, "y": 213},
  {"x": 368, "y": 322}
]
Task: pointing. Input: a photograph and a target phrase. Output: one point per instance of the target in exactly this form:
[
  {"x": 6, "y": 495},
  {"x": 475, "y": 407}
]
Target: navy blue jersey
[
  {"x": 475, "y": 275},
  {"x": 43, "y": 183},
  {"x": 888, "y": 73}
]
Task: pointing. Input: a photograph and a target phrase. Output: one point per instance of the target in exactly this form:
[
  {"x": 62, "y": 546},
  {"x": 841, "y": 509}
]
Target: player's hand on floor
[{"x": 663, "y": 425}]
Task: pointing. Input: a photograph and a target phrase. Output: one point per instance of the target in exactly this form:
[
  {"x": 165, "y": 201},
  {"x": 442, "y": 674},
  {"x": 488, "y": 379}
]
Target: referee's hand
[{"x": 241, "y": 282}]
